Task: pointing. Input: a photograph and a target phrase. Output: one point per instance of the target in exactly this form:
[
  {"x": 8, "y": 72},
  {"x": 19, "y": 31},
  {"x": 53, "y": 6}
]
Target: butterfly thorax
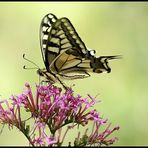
[{"x": 47, "y": 75}]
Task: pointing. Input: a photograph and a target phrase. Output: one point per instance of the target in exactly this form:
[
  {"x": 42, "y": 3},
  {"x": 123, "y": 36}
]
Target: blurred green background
[{"x": 111, "y": 28}]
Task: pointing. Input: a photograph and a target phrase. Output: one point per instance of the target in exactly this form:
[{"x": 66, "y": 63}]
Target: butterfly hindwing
[{"x": 70, "y": 66}]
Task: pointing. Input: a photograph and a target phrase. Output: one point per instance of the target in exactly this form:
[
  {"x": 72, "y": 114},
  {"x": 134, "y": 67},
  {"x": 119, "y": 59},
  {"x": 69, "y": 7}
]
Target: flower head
[{"x": 51, "y": 109}]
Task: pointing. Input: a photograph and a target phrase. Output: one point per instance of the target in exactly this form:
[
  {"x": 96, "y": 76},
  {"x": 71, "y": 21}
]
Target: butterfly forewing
[
  {"x": 46, "y": 25},
  {"x": 58, "y": 35}
]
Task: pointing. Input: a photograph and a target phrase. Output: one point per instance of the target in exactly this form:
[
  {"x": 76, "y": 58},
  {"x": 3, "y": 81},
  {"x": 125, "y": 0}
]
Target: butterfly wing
[
  {"x": 45, "y": 27},
  {"x": 59, "y": 40},
  {"x": 71, "y": 66},
  {"x": 64, "y": 53}
]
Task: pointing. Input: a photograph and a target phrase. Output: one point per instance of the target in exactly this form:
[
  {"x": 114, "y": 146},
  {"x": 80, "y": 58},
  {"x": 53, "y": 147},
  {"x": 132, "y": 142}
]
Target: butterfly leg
[
  {"x": 52, "y": 78},
  {"x": 62, "y": 83}
]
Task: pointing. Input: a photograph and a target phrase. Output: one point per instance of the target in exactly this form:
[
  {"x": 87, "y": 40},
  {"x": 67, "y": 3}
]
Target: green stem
[{"x": 28, "y": 137}]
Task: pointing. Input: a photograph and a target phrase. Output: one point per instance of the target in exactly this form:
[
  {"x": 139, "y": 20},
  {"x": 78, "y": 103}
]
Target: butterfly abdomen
[{"x": 100, "y": 64}]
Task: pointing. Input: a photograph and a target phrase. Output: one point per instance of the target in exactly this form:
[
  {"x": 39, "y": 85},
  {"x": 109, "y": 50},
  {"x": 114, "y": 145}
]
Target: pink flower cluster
[{"x": 52, "y": 109}]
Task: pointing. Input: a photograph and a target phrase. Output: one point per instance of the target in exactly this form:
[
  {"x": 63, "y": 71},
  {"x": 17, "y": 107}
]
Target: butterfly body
[{"x": 64, "y": 53}]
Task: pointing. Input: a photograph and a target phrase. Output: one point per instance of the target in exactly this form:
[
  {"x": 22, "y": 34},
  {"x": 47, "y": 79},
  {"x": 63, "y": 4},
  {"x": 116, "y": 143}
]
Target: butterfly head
[{"x": 41, "y": 72}]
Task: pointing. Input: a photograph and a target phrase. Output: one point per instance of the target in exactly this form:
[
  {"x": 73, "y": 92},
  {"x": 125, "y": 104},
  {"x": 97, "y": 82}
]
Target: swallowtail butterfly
[{"x": 65, "y": 54}]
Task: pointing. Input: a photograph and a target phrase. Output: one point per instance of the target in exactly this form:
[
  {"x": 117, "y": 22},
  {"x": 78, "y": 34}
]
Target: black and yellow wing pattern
[{"x": 65, "y": 54}]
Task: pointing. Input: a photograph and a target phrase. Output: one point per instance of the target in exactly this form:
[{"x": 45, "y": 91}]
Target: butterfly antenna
[{"x": 24, "y": 57}]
